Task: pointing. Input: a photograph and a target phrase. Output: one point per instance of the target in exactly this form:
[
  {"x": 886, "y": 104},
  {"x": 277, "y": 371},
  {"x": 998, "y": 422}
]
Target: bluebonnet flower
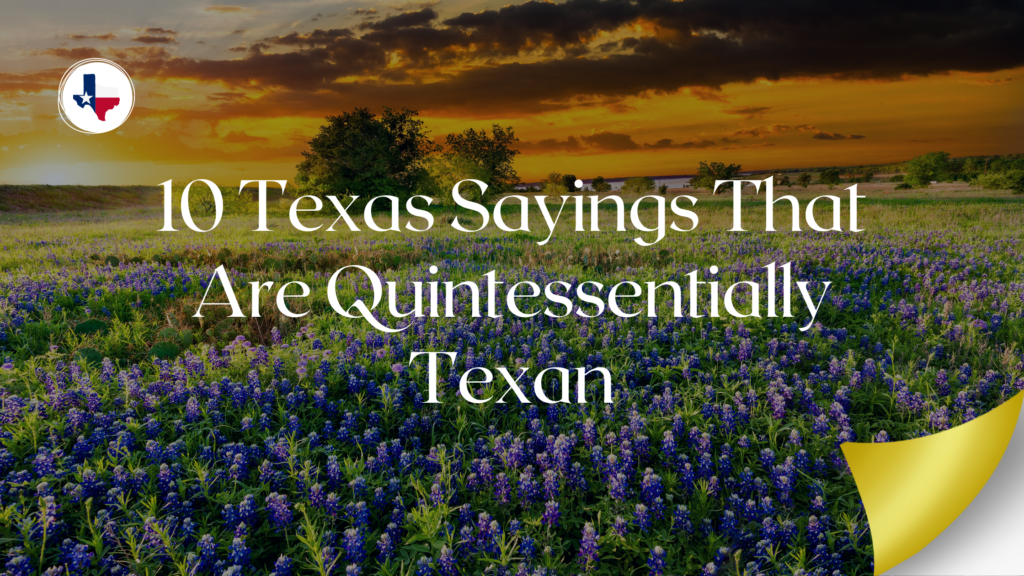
[
  {"x": 551, "y": 513},
  {"x": 278, "y": 511},
  {"x": 446, "y": 564},
  {"x": 657, "y": 561},
  {"x": 354, "y": 544},
  {"x": 588, "y": 555}
]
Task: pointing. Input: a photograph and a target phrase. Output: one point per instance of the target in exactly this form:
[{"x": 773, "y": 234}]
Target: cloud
[
  {"x": 610, "y": 142},
  {"x": 602, "y": 142},
  {"x": 242, "y": 138},
  {"x": 570, "y": 145},
  {"x": 108, "y": 36},
  {"x": 405, "y": 20},
  {"x": 80, "y": 53},
  {"x": 669, "y": 144},
  {"x": 158, "y": 30},
  {"x": 471, "y": 64},
  {"x": 224, "y": 9},
  {"x": 408, "y": 6},
  {"x": 761, "y": 131},
  {"x": 150, "y": 39},
  {"x": 822, "y": 135},
  {"x": 748, "y": 112},
  {"x": 707, "y": 94},
  {"x": 364, "y": 11}
]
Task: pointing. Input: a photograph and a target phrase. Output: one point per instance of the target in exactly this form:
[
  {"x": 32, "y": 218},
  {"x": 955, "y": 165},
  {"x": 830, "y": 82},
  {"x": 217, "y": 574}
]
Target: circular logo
[{"x": 95, "y": 96}]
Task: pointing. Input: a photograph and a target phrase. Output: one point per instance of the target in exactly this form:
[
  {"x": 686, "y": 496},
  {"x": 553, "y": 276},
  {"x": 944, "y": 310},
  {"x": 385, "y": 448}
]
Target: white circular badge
[{"x": 95, "y": 96}]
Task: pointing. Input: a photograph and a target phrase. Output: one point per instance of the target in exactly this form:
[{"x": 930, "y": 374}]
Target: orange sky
[{"x": 226, "y": 92}]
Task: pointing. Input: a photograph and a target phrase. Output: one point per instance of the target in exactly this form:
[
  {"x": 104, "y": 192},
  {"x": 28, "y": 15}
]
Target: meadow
[{"x": 138, "y": 439}]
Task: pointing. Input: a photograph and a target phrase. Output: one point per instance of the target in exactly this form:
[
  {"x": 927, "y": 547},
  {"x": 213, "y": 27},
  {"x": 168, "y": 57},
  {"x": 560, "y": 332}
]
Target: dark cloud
[
  {"x": 364, "y": 11},
  {"x": 150, "y": 39},
  {"x": 108, "y": 36},
  {"x": 699, "y": 46},
  {"x": 570, "y": 145},
  {"x": 822, "y": 135},
  {"x": 317, "y": 37},
  {"x": 160, "y": 31},
  {"x": 669, "y": 144},
  {"x": 748, "y": 112},
  {"x": 80, "y": 53},
  {"x": 405, "y": 20},
  {"x": 610, "y": 142}
]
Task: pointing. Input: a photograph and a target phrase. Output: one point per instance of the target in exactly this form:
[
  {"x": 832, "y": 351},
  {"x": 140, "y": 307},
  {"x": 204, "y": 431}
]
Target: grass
[
  {"x": 45, "y": 198},
  {"x": 928, "y": 287}
]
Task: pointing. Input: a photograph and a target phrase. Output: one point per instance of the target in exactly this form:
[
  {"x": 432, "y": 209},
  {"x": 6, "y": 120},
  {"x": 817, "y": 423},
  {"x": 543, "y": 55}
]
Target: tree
[
  {"x": 923, "y": 169},
  {"x": 1009, "y": 180},
  {"x": 445, "y": 170},
  {"x": 868, "y": 176},
  {"x": 804, "y": 179},
  {"x": 495, "y": 153},
  {"x": 708, "y": 173},
  {"x": 569, "y": 181},
  {"x": 785, "y": 181},
  {"x": 598, "y": 184},
  {"x": 638, "y": 185},
  {"x": 361, "y": 154},
  {"x": 830, "y": 176},
  {"x": 663, "y": 189}
]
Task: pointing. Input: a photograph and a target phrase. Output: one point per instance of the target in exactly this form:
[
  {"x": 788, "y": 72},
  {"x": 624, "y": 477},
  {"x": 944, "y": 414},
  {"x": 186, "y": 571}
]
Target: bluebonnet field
[{"x": 139, "y": 440}]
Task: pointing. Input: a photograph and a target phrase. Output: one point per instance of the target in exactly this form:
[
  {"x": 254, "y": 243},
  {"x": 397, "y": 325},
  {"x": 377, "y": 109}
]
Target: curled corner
[{"x": 950, "y": 503}]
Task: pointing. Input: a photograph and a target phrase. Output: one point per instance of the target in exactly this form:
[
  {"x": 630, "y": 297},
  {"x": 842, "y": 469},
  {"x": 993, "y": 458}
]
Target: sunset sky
[{"x": 610, "y": 87}]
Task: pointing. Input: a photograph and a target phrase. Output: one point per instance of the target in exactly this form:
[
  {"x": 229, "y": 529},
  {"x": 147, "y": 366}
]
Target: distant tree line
[{"x": 362, "y": 154}]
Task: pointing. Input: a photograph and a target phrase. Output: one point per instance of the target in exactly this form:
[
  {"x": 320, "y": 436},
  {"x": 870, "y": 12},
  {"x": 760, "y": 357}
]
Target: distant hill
[{"x": 45, "y": 198}]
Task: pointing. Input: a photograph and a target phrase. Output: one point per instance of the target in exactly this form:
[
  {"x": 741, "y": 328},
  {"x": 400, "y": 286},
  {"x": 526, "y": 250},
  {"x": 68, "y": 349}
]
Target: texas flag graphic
[{"x": 100, "y": 98}]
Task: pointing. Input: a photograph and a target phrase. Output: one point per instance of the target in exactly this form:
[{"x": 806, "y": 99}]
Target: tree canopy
[
  {"x": 638, "y": 185},
  {"x": 495, "y": 154},
  {"x": 830, "y": 176},
  {"x": 358, "y": 153},
  {"x": 923, "y": 169},
  {"x": 707, "y": 173},
  {"x": 598, "y": 184}
]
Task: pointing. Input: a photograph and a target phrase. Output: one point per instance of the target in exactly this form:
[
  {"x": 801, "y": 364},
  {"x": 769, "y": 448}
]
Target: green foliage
[
  {"x": 785, "y": 181},
  {"x": 896, "y": 178},
  {"x": 91, "y": 326},
  {"x": 90, "y": 356},
  {"x": 361, "y": 154},
  {"x": 707, "y": 174},
  {"x": 569, "y": 181},
  {"x": 638, "y": 185},
  {"x": 903, "y": 186},
  {"x": 495, "y": 154},
  {"x": 445, "y": 170},
  {"x": 663, "y": 189},
  {"x": 923, "y": 169},
  {"x": 830, "y": 176},
  {"x": 1009, "y": 180},
  {"x": 165, "y": 351},
  {"x": 554, "y": 189},
  {"x": 804, "y": 179},
  {"x": 598, "y": 184}
]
